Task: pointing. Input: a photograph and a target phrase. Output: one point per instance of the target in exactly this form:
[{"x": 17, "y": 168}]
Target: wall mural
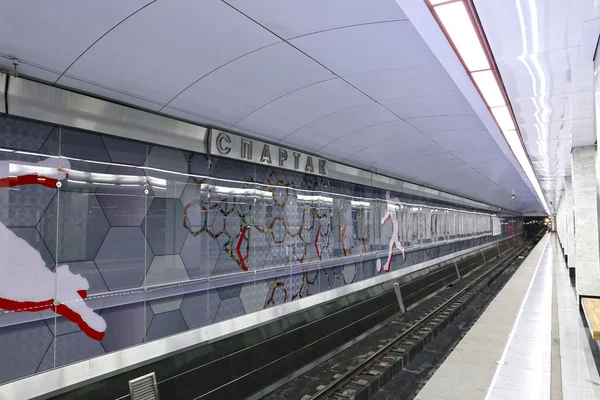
[
  {"x": 392, "y": 206},
  {"x": 126, "y": 242},
  {"x": 26, "y": 285}
]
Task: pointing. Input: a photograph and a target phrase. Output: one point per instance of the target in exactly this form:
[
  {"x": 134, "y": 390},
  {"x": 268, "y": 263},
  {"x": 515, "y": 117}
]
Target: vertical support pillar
[
  {"x": 569, "y": 219},
  {"x": 587, "y": 252},
  {"x": 399, "y": 296}
]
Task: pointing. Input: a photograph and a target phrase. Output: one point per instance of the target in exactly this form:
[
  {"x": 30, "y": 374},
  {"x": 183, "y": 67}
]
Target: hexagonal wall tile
[
  {"x": 166, "y": 324},
  {"x": 23, "y": 205},
  {"x": 22, "y": 347},
  {"x": 164, "y": 165},
  {"x": 228, "y": 292},
  {"x": 125, "y": 325},
  {"x": 82, "y": 227},
  {"x": 200, "y": 254},
  {"x": 70, "y": 348},
  {"x": 164, "y": 226},
  {"x": 253, "y": 295},
  {"x": 125, "y": 205},
  {"x": 229, "y": 309},
  {"x": 23, "y": 134},
  {"x": 85, "y": 147},
  {"x": 196, "y": 204},
  {"x": 126, "y": 151},
  {"x": 121, "y": 259},
  {"x": 166, "y": 269},
  {"x": 167, "y": 304},
  {"x": 199, "y": 309},
  {"x": 89, "y": 271}
]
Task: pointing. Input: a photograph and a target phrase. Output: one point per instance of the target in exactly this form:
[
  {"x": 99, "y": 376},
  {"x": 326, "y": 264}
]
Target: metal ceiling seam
[
  {"x": 216, "y": 121},
  {"x": 101, "y": 37},
  {"x": 283, "y": 95},
  {"x": 357, "y": 130},
  {"x": 58, "y": 85},
  {"x": 348, "y": 26},
  {"x": 340, "y": 77},
  {"x": 320, "y": 118},
  {"x": 214, "y": 70}
]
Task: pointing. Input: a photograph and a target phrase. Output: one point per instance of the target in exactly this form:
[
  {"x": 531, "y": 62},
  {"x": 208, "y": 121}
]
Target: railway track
[{"x": 363, "y": 379}]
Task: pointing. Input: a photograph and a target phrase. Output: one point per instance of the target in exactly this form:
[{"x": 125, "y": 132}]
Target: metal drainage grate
[{"x": 144, "y": 388}]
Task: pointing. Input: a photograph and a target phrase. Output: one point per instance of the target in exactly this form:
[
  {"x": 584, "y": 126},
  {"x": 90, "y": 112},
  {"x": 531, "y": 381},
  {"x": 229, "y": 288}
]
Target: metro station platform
[{"x": 530, "y": 343}]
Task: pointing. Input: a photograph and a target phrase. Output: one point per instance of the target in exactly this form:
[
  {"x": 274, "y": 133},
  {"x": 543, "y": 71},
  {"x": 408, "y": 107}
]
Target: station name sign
[{"x": 230, "y": 145}]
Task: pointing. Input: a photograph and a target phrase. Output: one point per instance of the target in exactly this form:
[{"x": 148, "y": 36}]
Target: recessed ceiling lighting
[
  {"x": 458, "y": 24},
  {"x": 503, "y": 117},
  {"x": 488, "y": 86}
]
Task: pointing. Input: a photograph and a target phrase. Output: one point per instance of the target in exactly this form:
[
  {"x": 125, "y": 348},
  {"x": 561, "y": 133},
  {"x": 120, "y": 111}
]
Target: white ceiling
[
  {"x": 352, "y": 80},
  {"x": 544, "y": 50}
]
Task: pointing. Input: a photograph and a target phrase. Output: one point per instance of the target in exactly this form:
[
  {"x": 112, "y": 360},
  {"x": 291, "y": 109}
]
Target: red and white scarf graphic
[{"x": 26, "y": 284}]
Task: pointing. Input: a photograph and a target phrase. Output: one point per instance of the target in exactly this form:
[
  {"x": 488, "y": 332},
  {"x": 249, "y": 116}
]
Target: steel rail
[{"x": 332, "y": 389}]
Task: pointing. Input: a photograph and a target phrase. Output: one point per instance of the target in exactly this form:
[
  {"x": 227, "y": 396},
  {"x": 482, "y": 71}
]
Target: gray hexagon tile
[
  {"x": 230, "y": 169},
  {"x": 68, "y": 142},
  {"x": 121, "y": 259},
  {"x": 200, "y": 254},
  {"x": 31, "y": 236},
  {"x": 125, "y": 325},
  {"x": 23, "y": 205},
  {"x": 254, "y": 295},
  {"x": 70, "y": 348},
  {"x": 349, "y": 273},
  {"x": 166, "y": 324},
  {"x": 79, "y": 147},
  {"x": 192, "y": 198},
  {"x": 125, "y": 205},
  {"x": 61, "y": 325},
  {"x": 79, "y": 238},
  {"x": 126, "y": 151},
  {"x": 199, "y": 309},
  {"x": 23, "y": 134},
  {"x": 166, "y": 269},
  {"x": 229, "y": 309},
  {"x": 89, "y": 271},
  {"x": 22, "y": 347},
  {"x": 167, "y": 304},
  {"x": 164, "y": 226},
  {"x": 197, "y": 163},
  {"x": 229, "y": 291},
  {"x": 167, "y": 182},
  {"x": 226, "y": 265}
]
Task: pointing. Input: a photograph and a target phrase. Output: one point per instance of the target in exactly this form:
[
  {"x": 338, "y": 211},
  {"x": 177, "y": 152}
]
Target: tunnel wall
[{"x": 166, "y": 240}]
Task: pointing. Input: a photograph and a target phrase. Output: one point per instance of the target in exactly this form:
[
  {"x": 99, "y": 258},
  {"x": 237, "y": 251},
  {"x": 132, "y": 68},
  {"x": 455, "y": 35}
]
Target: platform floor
[{"x": 530, "y": 343}]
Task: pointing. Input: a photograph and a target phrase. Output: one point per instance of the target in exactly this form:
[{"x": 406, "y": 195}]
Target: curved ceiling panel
[
  {"x": 335, "y": 127},
  {"x": 237, "y": 89},
  {"x": 54, "y": 33},
  {"x": 290, "y": 19},
  {"x": 364, "y": 48},
  {"x": 169, "y": 45},
  {"x": 405, "y": 82},
  {"x": 439, "y": 123},
  {"x": 427, "y": 106},
  {"x": 374, "y": 136},
  {"x": 291, "y": 112}
]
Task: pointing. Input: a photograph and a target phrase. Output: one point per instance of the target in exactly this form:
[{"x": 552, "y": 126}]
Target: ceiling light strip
[{"x": 458, "y": 21}]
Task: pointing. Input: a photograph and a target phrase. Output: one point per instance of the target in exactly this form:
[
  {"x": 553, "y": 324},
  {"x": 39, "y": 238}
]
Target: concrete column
[
  {"x": 569, "y": 245},
  {"x": 586, "y": 248}
]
